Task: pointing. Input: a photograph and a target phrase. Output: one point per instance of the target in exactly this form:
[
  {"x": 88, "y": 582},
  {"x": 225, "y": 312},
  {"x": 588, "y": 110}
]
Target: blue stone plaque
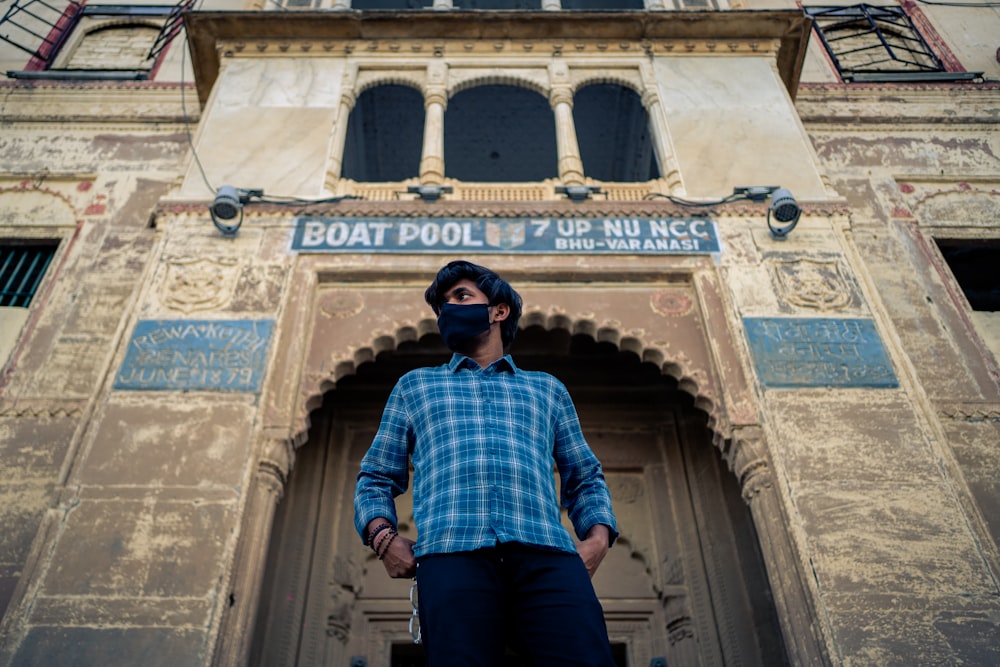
[
  {"x": 196, "y": 355},
  {"x": 818, "y": 352},
  {"x": 632, "y": 236}
]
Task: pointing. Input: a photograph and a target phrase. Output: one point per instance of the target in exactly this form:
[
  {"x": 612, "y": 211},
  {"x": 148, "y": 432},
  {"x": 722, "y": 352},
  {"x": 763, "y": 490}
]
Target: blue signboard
[
  {"x": 206, "y": 355},
  {"x": 643, "y": 236},
  {"x": 818, "y": 352}
]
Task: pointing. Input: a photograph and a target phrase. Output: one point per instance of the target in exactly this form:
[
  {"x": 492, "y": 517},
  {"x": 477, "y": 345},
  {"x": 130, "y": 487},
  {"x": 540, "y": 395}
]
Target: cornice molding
[
  {"x": 502, "y": 209},
  {"x": 936, "y": 104},
  {"x": 102, "y": 102},
  {"x": 650, "y": 32}
]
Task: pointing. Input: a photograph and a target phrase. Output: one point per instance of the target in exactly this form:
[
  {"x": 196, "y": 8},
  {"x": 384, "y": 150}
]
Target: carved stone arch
[
  {"x": 963, "y": 204},
  {"x": 458, "y": 83},
  {"x": 367, "y": 80},
  {"x": 610, "y": 78},
  {"x": 344, "y": 342},
  {"x": 93, "y": 27},
  {"x": 690, "y": 379},
  {"x": 26, "y": 204}
]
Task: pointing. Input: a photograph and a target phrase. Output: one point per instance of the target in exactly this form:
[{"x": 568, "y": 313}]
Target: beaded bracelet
[
  {"x": 388, "y": 544},
  {"x": 375, "y": 531},
  {"x": 381, "y": 538}
]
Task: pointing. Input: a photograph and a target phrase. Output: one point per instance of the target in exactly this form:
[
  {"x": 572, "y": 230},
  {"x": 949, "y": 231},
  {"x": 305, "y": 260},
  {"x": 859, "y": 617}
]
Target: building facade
[{"x": 756, "y": 240}]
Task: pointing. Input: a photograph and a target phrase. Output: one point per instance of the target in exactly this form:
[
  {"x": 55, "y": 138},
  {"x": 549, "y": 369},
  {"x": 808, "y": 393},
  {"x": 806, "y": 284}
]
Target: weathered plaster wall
[{"x": 917, "y": 471}]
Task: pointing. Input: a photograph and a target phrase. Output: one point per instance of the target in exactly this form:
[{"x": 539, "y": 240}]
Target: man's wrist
[{"x": 600, "y": 532}]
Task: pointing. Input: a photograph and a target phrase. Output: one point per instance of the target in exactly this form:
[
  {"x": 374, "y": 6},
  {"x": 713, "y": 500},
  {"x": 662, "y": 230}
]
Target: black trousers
[{"x": 540, "y": 603}]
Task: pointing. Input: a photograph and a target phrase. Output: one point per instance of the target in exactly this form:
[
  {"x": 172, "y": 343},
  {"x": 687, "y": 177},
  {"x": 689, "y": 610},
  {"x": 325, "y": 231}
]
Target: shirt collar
[{"x": 458, "y": 361}]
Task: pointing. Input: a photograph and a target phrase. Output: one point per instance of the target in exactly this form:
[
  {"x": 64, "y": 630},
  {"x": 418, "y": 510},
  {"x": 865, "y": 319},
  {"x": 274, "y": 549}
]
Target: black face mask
[{"x": 458, "y": 324}]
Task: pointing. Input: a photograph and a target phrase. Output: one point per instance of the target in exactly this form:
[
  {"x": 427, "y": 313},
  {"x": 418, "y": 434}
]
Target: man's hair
[{"x": 496, "y": 289}]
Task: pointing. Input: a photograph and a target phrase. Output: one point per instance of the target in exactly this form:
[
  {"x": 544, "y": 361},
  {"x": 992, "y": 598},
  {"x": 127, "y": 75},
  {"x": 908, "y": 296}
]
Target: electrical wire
[
  {"x": 184, "y": 113},
  {"x": 736, "y": 196}
]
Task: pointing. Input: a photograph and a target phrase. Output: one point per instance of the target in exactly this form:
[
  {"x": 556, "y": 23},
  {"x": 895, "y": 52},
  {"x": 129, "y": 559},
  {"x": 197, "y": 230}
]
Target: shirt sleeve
[
  {"x": 584, "y": 490},
  {"x": 385, "y": 468}
]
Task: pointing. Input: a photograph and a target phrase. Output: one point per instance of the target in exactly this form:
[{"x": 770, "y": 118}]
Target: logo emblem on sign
[{"x": 505, "y": 234}]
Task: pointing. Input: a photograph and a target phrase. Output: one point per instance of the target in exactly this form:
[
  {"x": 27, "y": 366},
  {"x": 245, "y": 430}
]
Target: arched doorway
[{"x": 686, "y": 582}]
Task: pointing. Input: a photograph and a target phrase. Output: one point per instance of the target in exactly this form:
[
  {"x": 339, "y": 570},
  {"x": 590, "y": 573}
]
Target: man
[{"x": 492, "y": 560}]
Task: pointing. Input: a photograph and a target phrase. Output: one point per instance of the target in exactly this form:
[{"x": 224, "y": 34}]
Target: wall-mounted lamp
[
  {"x": 578, "y": 192},
  {"x": 783, "y": 209},
  {"x": 228, "y": 205},
  {"x": 429, "y": 193}
]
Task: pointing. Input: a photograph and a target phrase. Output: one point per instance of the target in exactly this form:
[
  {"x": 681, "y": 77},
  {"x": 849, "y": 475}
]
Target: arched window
[
  {"x": 391, "y": 4},
  {"x": 384, "y": 135},
  {"x": 603, "y": 4},
  {"x": 499, "y": 134},
  {"x": 612, "y": 129},
  {"x": 118, "y": 46},
  {"x": 497, "y": 4}
]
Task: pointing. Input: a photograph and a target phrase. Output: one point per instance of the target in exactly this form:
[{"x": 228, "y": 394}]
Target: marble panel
[
  {"x": 733, "y": 124},
  {"x": 282, "y": 150}
]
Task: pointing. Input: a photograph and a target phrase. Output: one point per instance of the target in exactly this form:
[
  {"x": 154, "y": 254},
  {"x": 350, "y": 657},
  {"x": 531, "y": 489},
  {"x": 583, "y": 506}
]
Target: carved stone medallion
[
  {"x": 670, "y": 303},
  {"x": 810, "y": 283},
  {"x": 194, "y": 284}
]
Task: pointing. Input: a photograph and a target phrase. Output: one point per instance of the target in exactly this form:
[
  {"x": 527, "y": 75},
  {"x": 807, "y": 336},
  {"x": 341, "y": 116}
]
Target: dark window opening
[
  {"x": 612, "y": 129},
  {"x": 497, "y": 4},
  {"x": 384, "y": 135},
  {"x": 412, "y": 655},
  {"x": 500, "y": 134},
  {"x": 602, "y": 5},
  {"x": 974, "y": 265},
  {"x": 869, "y": 43},
  {"x": 390, "y": 4},
  {"x": 22, "y": 267}
]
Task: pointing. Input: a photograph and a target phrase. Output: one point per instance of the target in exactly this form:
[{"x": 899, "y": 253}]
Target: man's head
[{"x": 496, "y": 289}]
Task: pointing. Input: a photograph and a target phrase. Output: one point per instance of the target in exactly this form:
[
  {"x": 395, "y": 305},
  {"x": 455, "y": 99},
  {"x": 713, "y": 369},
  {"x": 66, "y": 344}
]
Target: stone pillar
[
  {"x": 339, "y": 138},
  {"x": 240, "y": 615},
  {"x": 797, "y": 615},
  {"x": 561, "y": 100},
  {"x": 435, "y": 102},
  {"x": 663, "y": 145}
]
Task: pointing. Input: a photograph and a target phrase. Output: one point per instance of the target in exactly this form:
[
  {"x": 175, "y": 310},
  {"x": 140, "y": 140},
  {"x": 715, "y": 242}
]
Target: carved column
[
  {"x": 800, "y": 625},
  {"x": 339, "y": 138},
  {"x": 435, "y": 101},
  {"x": 561, "y": 100},
  {"x": 663, "y": 145},
  {"x": 238, "y": 620}
]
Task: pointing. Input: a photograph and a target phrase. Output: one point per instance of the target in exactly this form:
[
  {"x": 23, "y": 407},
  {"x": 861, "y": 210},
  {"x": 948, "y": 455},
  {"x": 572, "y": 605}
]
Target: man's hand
[
  {"x": 593, "y": 549},
  {"x": 399, "y": 560}
]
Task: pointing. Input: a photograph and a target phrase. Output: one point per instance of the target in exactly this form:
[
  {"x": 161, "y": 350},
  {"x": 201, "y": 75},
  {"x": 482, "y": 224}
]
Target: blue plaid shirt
[{"x": 483, "y": 442}]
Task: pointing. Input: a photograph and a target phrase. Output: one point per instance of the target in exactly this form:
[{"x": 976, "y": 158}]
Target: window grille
[
  {"x": 879, "y": 43},
  {"x": 22, "y": 268}
]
